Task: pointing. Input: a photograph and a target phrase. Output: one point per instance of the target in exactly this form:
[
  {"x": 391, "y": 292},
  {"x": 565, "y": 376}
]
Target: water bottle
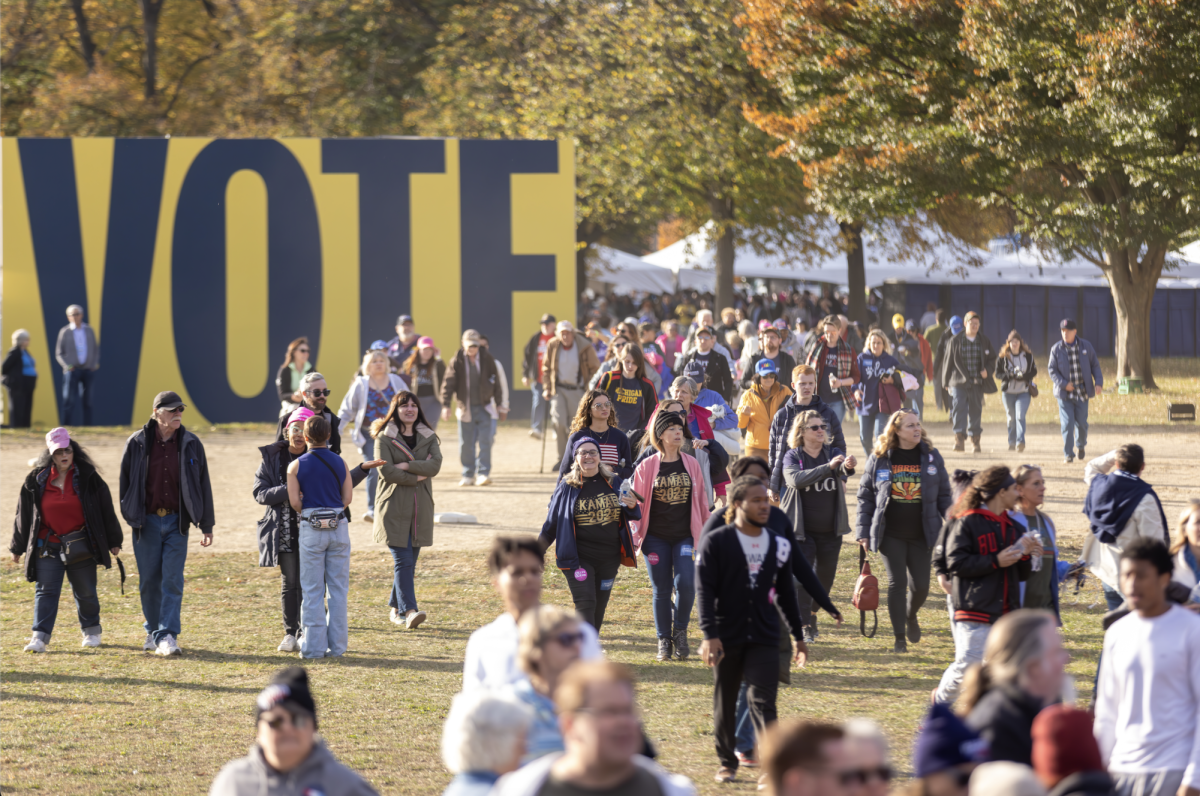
[
  {"x": 1036, "y": 561},
  {"x": 625, "y": 491}
]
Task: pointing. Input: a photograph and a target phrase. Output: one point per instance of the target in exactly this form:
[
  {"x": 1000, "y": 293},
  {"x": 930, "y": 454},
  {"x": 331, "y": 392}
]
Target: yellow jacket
[{"x": 756, "y": 411}]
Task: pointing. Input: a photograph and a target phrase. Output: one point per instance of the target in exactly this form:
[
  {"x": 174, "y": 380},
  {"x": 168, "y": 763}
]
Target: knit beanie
[
  {"x": 579, "y": 443},
  {"x": 288, "y": 688},
  {"x": 1063, "y": 744},
  {"x": 945, "y": 742},
  {"x": 1005, "y": 778},
  {"x": 664, "y": 420},
  {"x": 299, "y": 415}
]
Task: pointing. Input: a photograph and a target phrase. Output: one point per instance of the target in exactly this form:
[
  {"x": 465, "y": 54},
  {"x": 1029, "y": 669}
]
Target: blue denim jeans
[
  {"x": 1016, "y": 405},
  {"x": 161, "y": 551},
  {"x": 744, "y": 735},
  {"x": 537, "y": 407},
  {"x": 671, "y": 566},
  {"x": 368, "y": 454},
  {"x": 77, "y": 388},
  {"x": 869, "y": 427},
  {"x": 966, "y": 410},
  {"x": 82, "y": 575},
  {"x": 404, "y": 594},
  {"x": 838, "y": 406},
  {"x": 1073, "y": 418},
  {"x": 324, "y": 569},
  {"x": 477, "y": 431},
  {"x": 916, "y": 401}
]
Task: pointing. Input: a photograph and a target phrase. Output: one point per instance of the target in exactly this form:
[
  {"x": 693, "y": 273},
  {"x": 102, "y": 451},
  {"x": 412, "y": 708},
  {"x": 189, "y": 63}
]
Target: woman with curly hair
[
  {"x": 596, "y": 419},
  {"x": 902, "y": 499}
]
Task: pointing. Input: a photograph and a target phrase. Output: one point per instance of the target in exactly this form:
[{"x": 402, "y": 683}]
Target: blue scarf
[{"x": 1111, "y": 501}]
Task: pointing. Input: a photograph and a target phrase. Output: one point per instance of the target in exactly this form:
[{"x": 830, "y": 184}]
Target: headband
[{"x": 1005, "y": 484}]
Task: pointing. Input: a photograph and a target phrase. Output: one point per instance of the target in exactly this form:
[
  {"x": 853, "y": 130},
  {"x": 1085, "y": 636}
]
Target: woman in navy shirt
[
  {"x": 877, "y": 380},
  {"x": 20, "y": 377}
]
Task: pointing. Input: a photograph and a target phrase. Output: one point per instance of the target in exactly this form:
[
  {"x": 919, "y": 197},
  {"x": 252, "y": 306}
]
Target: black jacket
[
  {"x": 732, "y": 611},
  {"x": 1007, "y": 373},
  {"x": 335, "y": 436},
  {"x": 801, "y": 568},
  {"x": 529, "y": 364},
  {"x": 875, "y": 492},
  {"x": 195, "y": 490},
  {"x": 784, "y": 365},
  {"x": 1085, "y": 783},
  {"x": 13, "y": 366},
  {"x": 1004, "y": 718},
  {"x": 781, "y": 429},
  {"x": 716, "y": 377},
  {"x": 957, "y": 374},
  {"x": 982, "y": 590},
  {"x": 100, "y": 519}
]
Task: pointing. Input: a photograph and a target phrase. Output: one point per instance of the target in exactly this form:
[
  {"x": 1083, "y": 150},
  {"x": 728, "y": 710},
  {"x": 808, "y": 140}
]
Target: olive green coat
[{"x": 401, "y": 501}]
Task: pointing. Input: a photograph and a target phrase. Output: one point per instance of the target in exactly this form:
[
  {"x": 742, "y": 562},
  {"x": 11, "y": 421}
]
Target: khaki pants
[{"x": 563, "y": 405}]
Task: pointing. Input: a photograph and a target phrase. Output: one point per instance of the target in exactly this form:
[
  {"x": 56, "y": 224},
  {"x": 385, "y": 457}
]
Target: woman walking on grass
[
  {"x": 597, "y": 420},
  {"x": 902, "y": 499},
  {"x": 425, "y": 371},
  {"x": 588, "y": 524},
  {"x": 412, "y": 456},
  {"x": 65, "y": 525},
  {"x": 366, "y": 401},
  {"x": 675, "y": 508},
  {"x": 287, "y": 380},
  {"x": 1016, "y": 368}
]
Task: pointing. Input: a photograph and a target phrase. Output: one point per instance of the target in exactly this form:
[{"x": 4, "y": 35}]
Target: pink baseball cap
[
  {"x": 425, "y": 342},
  {"x": 300, "y": 415},
  {"x": 764, "y": 324},
  {"x": 57, "y": 439}
]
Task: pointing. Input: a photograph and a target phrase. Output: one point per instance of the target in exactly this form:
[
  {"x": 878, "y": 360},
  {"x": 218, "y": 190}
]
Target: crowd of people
[{"x": 737, "y": 514}]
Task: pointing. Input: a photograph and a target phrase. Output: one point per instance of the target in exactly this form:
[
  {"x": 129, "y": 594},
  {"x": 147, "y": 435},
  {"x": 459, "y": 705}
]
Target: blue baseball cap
[
  {"x": 378, "y": 345},
  {"x": 956, "y": 324},
  {"x": 765, "y": 367}
]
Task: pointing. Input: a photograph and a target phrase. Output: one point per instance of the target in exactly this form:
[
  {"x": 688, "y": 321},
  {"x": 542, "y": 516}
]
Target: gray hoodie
[{"x": 319, "y": 773}]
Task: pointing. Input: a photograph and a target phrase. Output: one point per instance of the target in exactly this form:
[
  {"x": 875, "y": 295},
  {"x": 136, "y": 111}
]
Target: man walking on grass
[{"x": 164, "y": 491}]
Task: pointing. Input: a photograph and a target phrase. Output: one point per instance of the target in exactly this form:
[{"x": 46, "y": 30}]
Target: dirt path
[{"x": 516, "y": 501}]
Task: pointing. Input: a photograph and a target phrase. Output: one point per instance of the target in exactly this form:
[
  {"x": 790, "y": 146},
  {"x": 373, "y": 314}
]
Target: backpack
[{"x": 866, "y": 594}]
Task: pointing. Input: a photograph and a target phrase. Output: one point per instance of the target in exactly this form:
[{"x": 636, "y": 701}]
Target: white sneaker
[
  {"x": 413, "y": 619},
  {"x": 535, "y": 433},
  {"x": 168, "y": 646},
  {"x": 368, "y": 517},
  {"x": 289, "y": 644},
  {"x": 482, "y": 480},
  {"x": 149, "y": 645},
  {"x": 466, "y": 482},
  {"x": 91, "y": 640},
  {"x": 35, "y": 645},
  {"x": 396, "y": 618}
]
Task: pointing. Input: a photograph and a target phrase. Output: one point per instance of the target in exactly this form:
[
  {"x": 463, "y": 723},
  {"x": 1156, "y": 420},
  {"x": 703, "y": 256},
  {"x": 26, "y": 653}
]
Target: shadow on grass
[
  {"x": 7, "y": 695},
  {"x": 58, "y": 678}
]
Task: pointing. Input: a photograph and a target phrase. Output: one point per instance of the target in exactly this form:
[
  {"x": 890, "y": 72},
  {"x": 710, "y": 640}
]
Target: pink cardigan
[{"x": 643, "y": 484}]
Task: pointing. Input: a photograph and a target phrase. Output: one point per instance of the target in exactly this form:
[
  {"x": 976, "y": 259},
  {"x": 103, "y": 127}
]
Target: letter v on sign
[{"x": 48, "y": 165}]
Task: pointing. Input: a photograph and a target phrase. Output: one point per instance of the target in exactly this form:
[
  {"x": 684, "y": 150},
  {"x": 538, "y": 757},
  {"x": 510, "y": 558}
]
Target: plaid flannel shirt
[{"x": 845, "y": 364}]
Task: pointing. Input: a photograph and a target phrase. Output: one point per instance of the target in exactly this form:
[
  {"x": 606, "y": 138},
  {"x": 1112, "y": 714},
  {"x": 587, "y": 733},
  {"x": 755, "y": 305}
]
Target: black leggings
[
  {"x": 289, "y": 591},
  {"x": 907, "y": 563},
  {"x": 590, "y": 592}
]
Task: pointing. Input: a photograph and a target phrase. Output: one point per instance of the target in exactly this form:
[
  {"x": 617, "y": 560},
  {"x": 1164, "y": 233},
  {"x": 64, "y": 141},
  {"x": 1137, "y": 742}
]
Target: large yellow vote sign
[{"x": 198, "y": 260}]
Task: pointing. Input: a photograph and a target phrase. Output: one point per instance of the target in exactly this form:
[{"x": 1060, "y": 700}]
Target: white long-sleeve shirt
[
  {"x": 1104, "y": 560},
  {"x": 491, "y": 659},
  {"x": 1148, "y": 696}
]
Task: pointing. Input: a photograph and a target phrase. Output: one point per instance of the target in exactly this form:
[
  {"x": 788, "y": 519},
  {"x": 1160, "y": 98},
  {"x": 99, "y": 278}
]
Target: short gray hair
[
  {"x": 308, "y": 379},
  {"x": 481, "y": 731},
  {"x": 74, "y": 308},
  {"x": 686, "y": 381},
  {"x": 866, "y": 730},
  {"x": 19, "y": 335}
]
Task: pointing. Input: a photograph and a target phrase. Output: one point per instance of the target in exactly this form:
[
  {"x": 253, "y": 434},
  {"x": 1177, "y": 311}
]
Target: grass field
[{"x": 117, "y": 720}]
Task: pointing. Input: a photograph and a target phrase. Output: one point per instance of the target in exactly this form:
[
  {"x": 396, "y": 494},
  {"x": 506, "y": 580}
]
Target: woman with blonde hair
[
  {"x": 549, "y": 641},
  {"x": 816, "y": 503},
  {"x": 596, "y": 419},
  {"x": 367, "y": 400},
  {"x": 412, "y": 456},
  {"x": 670, "y": 484},
  {"x": 1016, "y": 367},
  {"x": 903, "y": 496},
  {"x": 588, "y": 524},
  {"x": 287, "y": 380},
  {"x": 879, "y": 391},
  {"x": 1040, "y": 589},
  {"x": 1186, "y": 551},
  {"x": 1023, "y": 671}
]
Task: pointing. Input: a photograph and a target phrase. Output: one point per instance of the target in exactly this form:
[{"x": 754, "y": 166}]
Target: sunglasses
[
  {"x": 567, "y": 639},
  {"x": 301, "y": 350},
  {"x": 177, "y": 410},
  {"x": 604, "y": 405},
  {"x": 862, "y": 776},
  {"x": 818, "y": 428},
  {"x": 299, "y": 722},
  {"x": 319, "y": 393}
]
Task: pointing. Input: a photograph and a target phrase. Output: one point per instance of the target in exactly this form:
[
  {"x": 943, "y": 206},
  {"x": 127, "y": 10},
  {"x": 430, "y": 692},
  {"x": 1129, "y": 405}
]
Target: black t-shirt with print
[
  {"x": 819, "y": 500},
  {"x": 827, "y": 393},
  {"x": 671, "y": 506},
  {"x": 598, "y": 522},
  {"x": 904, "y": 514},
  {"x": 629, "y": 402}
]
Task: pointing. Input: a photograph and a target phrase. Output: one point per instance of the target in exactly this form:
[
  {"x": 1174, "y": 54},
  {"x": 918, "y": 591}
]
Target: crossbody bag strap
[{"x": 330, "y": 466}]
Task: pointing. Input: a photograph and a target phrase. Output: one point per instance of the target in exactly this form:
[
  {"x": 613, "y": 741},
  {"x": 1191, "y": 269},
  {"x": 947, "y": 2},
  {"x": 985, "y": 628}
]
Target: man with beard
[{"x": 315, "y": 394}]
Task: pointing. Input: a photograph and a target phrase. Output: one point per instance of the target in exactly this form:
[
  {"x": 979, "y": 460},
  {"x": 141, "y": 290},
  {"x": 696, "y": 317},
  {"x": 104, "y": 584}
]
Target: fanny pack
[
  {"x": 74, "y": 547},
  {"x": 322, "y": 519}
]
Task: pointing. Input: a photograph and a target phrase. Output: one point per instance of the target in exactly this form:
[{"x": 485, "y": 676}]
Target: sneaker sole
[{"x": 417, "y": 620}]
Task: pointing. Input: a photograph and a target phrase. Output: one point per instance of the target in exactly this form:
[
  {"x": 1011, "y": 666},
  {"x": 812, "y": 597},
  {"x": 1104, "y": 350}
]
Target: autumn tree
[{"x": 1078, "y": 118}]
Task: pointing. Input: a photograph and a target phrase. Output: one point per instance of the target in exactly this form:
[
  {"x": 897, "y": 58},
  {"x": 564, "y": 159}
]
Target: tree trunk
[
  {"x": 856, "y": 271},
  {"x": 1132, "y": 284},
  {"x": 150, "y": 13},
  {"x": 87, "y": 46},
  {"x": 722, "y": 215}
]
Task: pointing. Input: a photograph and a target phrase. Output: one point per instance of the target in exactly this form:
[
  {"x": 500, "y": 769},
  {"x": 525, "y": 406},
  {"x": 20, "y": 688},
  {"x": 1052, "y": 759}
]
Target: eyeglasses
[
  {"x": 588, "y": 454},
  {"x": 822, "y": 427},
  {"x": 300, "y": 722},
  {"x": 567, "y": 639},
  {"x": 319, "y": 393}
]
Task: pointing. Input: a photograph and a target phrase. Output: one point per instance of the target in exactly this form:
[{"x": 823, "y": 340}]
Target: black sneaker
[
  {"x": 901, "y": 646},
  {"x": 681, "y": 645},
  {"x": 664, "y": 649},
  {"x": 913, "y": 629},
  {"x": 1081, "y": 455}
]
